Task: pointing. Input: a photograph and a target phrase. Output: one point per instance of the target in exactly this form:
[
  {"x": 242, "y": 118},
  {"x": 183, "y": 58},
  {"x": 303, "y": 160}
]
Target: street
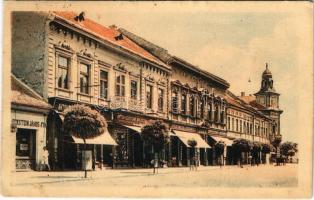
[{"x": 141, "y": 182}]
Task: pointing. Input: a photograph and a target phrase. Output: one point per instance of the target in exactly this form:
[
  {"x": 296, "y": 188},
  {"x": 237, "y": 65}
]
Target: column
[
  {"x": 179, "y": 154},
  {"x": 188, "y": 159},
  {"x": 101, "y": 156},
  {"x": 169, "y": 154}
]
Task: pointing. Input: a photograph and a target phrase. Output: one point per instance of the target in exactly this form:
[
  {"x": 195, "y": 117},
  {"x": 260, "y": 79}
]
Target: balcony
[{"x": 119, "y": 102}]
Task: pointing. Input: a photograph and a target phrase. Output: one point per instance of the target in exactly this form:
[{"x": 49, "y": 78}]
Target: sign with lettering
[
  {"x": 31, "y": 123},
  {"x": 131, "y": 120},
  {"x": 24, "y": 147}
]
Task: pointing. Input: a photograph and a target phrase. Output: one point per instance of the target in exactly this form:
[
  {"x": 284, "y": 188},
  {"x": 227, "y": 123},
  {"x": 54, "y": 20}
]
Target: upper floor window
[
  {"x": 192, "y": 105},
  {"x": 174, "y": 101},
  {"x": 209, "y": 111},
  {"x": 63, "y": 72},
  {"x": 120, "y": 85},
  {"x": 84, "y": 78},
  {"x": 216, "y": 112},
  {"x": 161, "y": 99},
  {"x": 228, "y": 123},
  {"x": 133, "y": 89},
  {"x": 240, "y": 126},
  {"x": 237, "y": 125},
  {"x": 103, "y": 84},
  {"x": 202, "y": 102},
  {"x": 183, "y": 104},
  {"x": 149, "y": 96}
]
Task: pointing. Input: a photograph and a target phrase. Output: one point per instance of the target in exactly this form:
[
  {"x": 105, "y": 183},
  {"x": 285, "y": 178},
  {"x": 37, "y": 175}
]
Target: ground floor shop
[
  {"x": 123, "y": 146},
  {"x": 29, "y": 135}
]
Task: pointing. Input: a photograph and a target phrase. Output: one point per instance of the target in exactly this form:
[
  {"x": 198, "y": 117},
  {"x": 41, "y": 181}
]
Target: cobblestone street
[{"x": 121, "y": 182}]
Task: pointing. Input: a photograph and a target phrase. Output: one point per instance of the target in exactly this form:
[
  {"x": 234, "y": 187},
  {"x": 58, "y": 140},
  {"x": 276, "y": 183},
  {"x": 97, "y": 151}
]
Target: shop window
[
  {"x": 120, "y": 85},
  {"x": 84, "y": 78},
  {"x": 149, "y": 96},
  {"x": 133, "y": 89},
  {"x": 183, "y": 104},
  {"x": 103, "y": 84},
  {"x": 63, "y": 72},
  {"x": 160, "y": 99}
]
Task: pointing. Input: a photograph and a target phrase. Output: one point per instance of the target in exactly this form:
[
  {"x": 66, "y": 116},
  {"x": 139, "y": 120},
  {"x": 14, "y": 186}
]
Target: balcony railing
[{"x": 126, "y": 103}]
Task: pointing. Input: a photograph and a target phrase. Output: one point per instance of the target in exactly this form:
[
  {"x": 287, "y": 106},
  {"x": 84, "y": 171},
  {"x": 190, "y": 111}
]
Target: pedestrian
[{"x": 46, "y": 159}]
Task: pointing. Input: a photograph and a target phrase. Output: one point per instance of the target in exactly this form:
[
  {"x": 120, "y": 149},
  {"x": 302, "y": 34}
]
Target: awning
[
  {"x": 227, "y": 141},
  {"x": 134, "y": 128},
  {"x": 185, "y": 137},
  {"x": 104, "y": 139}
]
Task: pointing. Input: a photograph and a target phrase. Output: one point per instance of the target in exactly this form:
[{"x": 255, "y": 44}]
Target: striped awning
[
  {"x": 186, "y": 136},
  {"x": 227, "y": 141},
  {"x": 104, "y": 139}
]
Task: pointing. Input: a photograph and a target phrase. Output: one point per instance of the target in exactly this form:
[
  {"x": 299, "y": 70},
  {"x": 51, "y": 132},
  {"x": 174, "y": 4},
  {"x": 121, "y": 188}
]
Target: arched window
[{"x": 216, "y": 112}]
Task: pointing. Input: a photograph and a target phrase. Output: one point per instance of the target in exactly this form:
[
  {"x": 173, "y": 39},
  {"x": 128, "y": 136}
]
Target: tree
[
  {"x": 219, "y": 150},
  {"x": 288, "y": 148},
  {"x": 192, "y": 143},
  {"x": 83, "y": 122},
  {"x": 241, "y": 145},
  {"x": 155, "y": 134},
  {"x": 256, "y": 149}
]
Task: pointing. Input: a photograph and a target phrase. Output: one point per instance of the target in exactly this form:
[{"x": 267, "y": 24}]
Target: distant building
[{"x": 68, "y": 58}]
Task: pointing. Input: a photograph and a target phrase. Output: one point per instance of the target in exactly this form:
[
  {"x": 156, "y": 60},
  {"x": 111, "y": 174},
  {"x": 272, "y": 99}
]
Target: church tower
[{"x": 268, "y": 97}]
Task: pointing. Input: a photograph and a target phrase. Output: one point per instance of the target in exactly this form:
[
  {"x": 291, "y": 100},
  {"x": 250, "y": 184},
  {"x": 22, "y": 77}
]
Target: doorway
[{"x": 25, "y": 149}]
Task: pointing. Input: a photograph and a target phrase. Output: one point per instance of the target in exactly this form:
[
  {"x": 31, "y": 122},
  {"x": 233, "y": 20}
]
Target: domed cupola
[{"x": 267, "y": 73}]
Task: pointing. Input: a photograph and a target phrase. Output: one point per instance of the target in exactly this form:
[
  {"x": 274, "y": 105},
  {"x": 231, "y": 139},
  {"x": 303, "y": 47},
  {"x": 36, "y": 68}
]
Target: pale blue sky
[{"x": 232, "y": 44}]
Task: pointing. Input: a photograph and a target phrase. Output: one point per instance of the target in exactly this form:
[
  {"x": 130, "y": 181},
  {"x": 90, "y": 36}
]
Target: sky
[{"x": 231, "y": 42}]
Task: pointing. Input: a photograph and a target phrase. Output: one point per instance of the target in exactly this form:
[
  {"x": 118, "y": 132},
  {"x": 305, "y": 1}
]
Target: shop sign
[
  {"x": 131, "y": 120},
  {"x": 183, "y": 128},
  {"x": 31, "y": 123}
]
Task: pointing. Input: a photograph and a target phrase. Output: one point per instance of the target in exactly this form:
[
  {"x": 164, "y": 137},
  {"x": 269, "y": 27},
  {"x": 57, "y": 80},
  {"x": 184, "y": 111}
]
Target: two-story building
[{"x": 68, "y": 59}]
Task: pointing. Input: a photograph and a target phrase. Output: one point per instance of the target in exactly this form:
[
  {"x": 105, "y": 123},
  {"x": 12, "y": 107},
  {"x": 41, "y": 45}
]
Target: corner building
[{"x": 132, "y": 82}]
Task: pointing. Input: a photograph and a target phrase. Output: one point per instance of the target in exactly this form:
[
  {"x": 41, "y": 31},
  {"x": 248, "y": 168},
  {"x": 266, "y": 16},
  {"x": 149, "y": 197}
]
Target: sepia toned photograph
[{"x": 157, "y": 99}]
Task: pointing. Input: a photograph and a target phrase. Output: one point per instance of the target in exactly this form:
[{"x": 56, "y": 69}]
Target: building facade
[
  {"x": 71, "y": 59},
  {"x": 28, "y": 129}
]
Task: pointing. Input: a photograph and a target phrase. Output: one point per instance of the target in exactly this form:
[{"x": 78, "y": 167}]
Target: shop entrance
[{"x": 25, "y": 149}]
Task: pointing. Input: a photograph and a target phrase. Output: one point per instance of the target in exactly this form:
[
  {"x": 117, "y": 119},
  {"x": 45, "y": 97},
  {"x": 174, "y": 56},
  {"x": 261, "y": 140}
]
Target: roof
[
  {"x": 251, "y": 100},
  {"x": 107, "y": 34},
  {"x": 23, "y": 95},
  {"x": 163, "y": 55}
]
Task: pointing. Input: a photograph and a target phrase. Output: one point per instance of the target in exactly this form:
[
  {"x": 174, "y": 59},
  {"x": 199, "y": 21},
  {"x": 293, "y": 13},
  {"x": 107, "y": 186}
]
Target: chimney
[
  {"x": 242, "y": 94},
  {"x": 113, "y": 26},
  {"x": 80, "y": 17}
]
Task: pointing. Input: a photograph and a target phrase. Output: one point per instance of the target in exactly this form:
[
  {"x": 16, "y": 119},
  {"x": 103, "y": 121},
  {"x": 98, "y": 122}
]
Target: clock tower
[{"x": 268, "y": 97}]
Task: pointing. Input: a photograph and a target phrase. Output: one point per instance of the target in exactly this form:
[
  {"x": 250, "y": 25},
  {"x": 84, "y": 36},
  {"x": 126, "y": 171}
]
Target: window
[
  {"x": 202, "y": 102},
  {"x": 210, "y": 111},
  {"x": 133, "y": 89},
  {"x": 174, "y": 100},
  {"x": 240, "y": 126},
  {"x": 63, "y": 72},
  {"x": 103, "y": 84},
  {"x": 120, "y": 85},
  {"x": 216, "y": 112},
  {"x": 160, "y": 99},
  {"x": 183, "y": 104},
  {"x": 192, "y": 109},
  {"x": 237, "y": 125},
  {"x": 149, "y": 96},
  {"x": 233, "y": 124},
  {"x": 84, "y": 78},
  {"x": 228, "y": 123}
]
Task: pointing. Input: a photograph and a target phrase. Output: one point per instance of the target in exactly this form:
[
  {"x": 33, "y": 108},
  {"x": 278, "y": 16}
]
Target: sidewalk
[{"x": 43, "y": 177}]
